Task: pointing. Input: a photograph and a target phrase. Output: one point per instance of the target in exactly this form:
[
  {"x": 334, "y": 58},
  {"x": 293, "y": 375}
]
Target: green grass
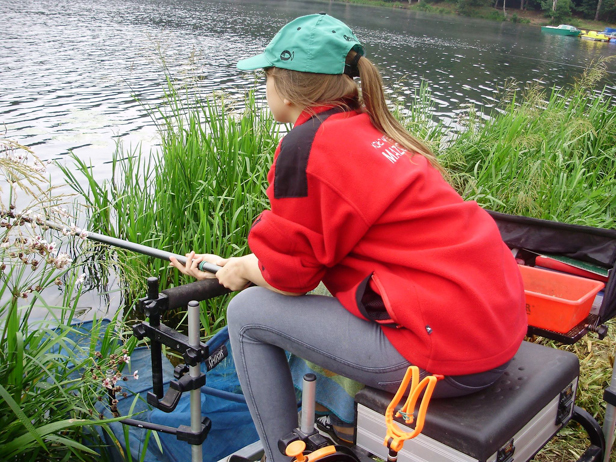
[
  {"x": 201, "y": 191},
  {"x": 546, "y": 155}
]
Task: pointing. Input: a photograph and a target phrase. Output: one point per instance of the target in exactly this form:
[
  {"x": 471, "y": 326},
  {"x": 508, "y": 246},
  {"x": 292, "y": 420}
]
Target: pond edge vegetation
[
  {"x": 543, "y": 153},
  {"x": 586, "y": 14}
]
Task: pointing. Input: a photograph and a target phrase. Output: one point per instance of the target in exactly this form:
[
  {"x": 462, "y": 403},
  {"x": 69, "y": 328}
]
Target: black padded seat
[{"x": 481, "y": 423}]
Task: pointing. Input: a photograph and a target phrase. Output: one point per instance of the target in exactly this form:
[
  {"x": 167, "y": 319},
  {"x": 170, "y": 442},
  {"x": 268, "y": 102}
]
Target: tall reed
[
  {"x": 201, "y": 191},
  {"x": 549, "y": 155}
]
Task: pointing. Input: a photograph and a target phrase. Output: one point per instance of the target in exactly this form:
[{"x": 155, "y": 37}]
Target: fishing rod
[{"x": 113, "y": 241}]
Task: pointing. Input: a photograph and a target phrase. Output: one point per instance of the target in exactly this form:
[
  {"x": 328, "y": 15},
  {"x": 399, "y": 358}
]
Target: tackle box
[
  {"x": 508, "y": 422},
  {"x": 594, "y": 246}
]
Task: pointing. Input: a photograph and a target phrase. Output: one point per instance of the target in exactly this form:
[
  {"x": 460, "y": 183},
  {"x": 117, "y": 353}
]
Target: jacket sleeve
[{"x": 301, "y": 237}]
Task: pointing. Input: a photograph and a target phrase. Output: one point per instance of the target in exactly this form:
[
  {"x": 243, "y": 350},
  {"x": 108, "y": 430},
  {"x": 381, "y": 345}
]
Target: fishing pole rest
[
  {"x": 307, "y": 438},
  {"x": 193, "y": 352}
]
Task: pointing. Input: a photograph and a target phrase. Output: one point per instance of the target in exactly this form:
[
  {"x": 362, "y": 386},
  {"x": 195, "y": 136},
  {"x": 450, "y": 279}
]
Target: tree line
[{"x": 557, "y": 10}]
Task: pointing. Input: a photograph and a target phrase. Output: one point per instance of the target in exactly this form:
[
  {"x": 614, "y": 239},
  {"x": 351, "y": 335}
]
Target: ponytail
[
  {"x": 375, "y": 104},
  {"x": 309, "y": 90}
]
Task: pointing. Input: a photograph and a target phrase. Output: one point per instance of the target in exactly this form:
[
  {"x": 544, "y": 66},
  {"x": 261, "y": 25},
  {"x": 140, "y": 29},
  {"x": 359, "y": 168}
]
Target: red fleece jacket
[{"x": 392, "y": 240}]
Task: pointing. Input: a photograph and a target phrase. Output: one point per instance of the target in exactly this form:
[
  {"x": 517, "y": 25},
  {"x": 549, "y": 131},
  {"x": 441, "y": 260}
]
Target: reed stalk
[
  {"x": 201, "y": 191},
  {"x": 547, "y": 155}
]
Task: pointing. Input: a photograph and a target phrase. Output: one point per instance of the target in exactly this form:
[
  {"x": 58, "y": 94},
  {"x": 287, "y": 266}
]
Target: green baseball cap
[{"x": 315, "y": 43}]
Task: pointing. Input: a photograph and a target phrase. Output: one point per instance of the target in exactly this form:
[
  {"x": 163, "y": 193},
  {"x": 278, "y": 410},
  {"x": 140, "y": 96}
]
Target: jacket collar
[{"x": 309, "y": 113}]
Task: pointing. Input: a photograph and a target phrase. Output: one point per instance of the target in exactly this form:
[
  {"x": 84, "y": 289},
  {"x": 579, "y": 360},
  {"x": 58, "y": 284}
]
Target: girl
[{"x": 418, "y": 275}]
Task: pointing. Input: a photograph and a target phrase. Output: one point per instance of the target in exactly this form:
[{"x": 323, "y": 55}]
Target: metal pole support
[
  {"x": 309, "y": 388},
  {"x": 194, "y": 339}
]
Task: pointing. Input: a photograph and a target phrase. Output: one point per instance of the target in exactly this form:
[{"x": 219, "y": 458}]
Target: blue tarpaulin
[{"x": 232, "y": 426}]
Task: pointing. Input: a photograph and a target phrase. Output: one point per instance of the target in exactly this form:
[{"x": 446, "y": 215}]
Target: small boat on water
[
  {"x": 594, "y": 35},
  {"x": 611, "y": 33},
  {"x": 563, "y": 29}
]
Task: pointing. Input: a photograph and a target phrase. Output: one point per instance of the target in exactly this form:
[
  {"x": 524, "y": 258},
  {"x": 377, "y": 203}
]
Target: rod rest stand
[
  {"x": 168, "y": 404},
  {"x": 171, "y": 338},
  {"x": 182, "y": 433},
  {"x": 174, "y": 392},
  {"x": 153, "y": 306}
]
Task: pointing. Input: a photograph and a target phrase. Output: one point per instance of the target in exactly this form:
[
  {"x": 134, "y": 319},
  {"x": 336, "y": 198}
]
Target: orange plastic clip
[
  {"x": 296, "y": 451},
  {"x": 395, "y": 437}
]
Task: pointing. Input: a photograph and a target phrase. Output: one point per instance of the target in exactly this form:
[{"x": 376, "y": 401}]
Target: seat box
[{"x": 523, "y": 410}]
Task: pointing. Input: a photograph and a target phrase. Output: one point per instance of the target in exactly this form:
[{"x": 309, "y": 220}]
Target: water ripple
[{"x": 71, "y": 71}]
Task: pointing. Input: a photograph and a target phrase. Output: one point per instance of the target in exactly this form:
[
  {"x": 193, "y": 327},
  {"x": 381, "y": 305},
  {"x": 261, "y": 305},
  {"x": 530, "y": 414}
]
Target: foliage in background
[
  {"x": 49, "y": 387},
  {"x": 560, "y": 13},
  {"x": 493, "y": 10},
  {"x": 201, "y": 191},
  {"x": 549, "y": 155}
]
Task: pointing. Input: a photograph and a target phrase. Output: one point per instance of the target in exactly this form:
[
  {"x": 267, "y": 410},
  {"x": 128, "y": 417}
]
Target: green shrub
[
  {"x": 574, "y": 22},
  {"x": 424, "y": 6},
  {"x": 464, "y": 8},
  {"x": 561, "y": 14},
  {"x": 518, "y": 20},
  {"x": 496, "y": 16}
]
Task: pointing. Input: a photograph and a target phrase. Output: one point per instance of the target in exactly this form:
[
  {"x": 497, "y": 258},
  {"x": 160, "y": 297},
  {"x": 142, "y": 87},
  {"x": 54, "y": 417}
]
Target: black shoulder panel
[{"x": 291, "y": 179}]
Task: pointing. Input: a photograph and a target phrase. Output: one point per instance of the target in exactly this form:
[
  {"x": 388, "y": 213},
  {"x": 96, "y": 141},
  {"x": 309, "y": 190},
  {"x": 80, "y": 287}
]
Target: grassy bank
[
  {"x": 543, "y": 154},
  {"x": 547, "y": 155},
  {"x": 514, "y": 14}
]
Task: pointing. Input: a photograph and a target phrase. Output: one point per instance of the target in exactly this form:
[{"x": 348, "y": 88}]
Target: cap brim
[{"x": 256, "y": 62}]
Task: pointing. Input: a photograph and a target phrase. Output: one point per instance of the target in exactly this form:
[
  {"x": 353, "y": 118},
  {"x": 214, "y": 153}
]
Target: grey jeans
[{"x": 263, "y": 324}]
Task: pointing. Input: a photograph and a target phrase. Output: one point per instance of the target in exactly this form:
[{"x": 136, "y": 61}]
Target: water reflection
[{"x": 71, "y": 72}]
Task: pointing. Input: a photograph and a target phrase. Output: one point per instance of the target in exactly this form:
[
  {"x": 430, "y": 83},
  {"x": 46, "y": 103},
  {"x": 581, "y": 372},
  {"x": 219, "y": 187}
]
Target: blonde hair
[{"x": 309, "y": 90}]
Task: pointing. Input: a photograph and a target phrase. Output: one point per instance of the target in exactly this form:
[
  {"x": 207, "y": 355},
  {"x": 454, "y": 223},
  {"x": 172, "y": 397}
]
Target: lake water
[{"x": 70, "y": 70}]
